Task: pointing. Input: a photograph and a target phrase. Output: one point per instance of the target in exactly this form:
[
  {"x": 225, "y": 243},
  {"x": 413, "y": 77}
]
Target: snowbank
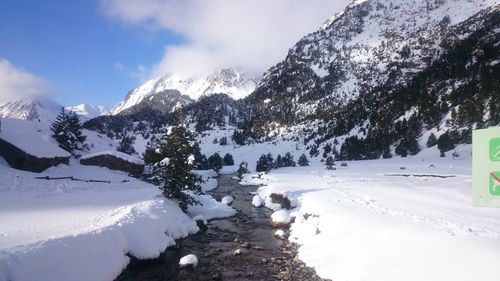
[
  {"x": 357, "y": 223},
  {"x": 117, "y": 154},
  {"x": 70, "y": 230},
  {"x": 34, "y": 138}
]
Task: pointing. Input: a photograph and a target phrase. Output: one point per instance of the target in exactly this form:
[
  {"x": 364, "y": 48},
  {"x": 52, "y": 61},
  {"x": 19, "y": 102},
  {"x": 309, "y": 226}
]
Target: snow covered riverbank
[
  {"x": 372, "y": 220},
  {"x": 72, "y": 230}
]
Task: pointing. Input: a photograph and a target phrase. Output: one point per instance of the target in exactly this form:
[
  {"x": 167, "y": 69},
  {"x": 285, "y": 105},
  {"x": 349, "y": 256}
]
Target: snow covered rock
[
  {"x": 257, "y": 201},
  {"x": 189, "y": 261},
  {"x": 280, "y": 234},
  {"x": 228, "y": 200},
  {"x": 201, "y": 222},
  {"x": 237, "y": 252},
  {"x": 280, "y": 218}
]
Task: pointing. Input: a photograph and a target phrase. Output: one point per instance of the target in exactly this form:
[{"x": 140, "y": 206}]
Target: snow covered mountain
[
  {"x": 39, "y": 109},
  {"x": 382, "y": 76},
  {"x": 88, "y": 111},
  {"x": 229, "y": 81},
  {"x": 371, "y": 43}
]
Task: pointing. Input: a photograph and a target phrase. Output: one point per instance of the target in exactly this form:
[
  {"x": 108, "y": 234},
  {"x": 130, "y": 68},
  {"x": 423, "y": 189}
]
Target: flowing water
[{"x": 262, "y": 257}]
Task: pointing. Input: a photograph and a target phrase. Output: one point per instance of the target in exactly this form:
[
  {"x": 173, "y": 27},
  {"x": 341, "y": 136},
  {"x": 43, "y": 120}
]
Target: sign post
[{"x": 486, "y": 167}]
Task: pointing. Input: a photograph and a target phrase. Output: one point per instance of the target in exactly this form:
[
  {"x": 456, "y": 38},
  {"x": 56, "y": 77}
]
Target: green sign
[{"x": 486, "y": 167}]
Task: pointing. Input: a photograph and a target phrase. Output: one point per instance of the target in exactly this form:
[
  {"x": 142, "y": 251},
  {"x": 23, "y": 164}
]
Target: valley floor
[{"x": 397, "y": 219}]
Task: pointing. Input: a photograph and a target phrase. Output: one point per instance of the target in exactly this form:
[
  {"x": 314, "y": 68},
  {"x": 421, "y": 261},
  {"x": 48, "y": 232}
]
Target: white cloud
[
  {"x": 252, "y": 34},
  {"x": 16, "y": 83}
]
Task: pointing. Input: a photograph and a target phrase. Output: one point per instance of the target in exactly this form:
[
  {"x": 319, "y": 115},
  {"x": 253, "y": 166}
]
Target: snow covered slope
[
  {"x": 373, "y": 43},
  {"x": 71, "y": 230},
  {"x": 88, "y": 111},
  {"x": 230, "y": 81},
  {"x": 33, "y": 138},
  {"x": 40, "y": 109}
]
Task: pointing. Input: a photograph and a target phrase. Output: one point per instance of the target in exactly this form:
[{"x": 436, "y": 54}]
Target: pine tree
[
  {"x": 270, "y": 162},
  {"x": 215, "y": 162},
  {"x": 200, "y": 160},
  {"x": 67, "y": 131},
  {"x": 239, "y": 137},
  {"x": 326, "y": 150},
  {"x": 445, "y": 143},
  {"x": 314, "y": 152},
  {"x": 330, "y": 162},
  {"x": 223, "y": 141},
  {"x": 243, "y": 169},
  {"x": 127, "y": 145},
  {"x": 262, "y": 165},
  {"x": 279, "y": 161},
  {"x": 228, "y": 160},
  {"x": 303, "y": 161},
  {"x": 432, "y": 140},
  {"x": 174, "y": 172},
  {"x": 288, "y": 160}
]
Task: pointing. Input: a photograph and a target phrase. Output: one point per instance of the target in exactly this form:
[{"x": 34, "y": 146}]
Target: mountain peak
[
  {"x": 35, "y": 109},
  {"x": 88, "y": 111},
  {"x": 231, "y": 81}
]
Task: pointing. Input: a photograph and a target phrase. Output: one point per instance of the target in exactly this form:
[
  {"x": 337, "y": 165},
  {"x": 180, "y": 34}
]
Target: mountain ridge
[{"x": 231, "y": 81}]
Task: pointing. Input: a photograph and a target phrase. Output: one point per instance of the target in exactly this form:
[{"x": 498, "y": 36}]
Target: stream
[{"x": 262, "y": 257}]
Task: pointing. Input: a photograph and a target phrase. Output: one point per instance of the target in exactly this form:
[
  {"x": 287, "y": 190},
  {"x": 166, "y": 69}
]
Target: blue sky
[
  {"x": 90, "y": 51},
  {"x": 73, "y": 46}
]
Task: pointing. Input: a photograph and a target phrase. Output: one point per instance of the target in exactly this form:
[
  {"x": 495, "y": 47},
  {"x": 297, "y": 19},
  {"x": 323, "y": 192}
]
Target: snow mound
[
  {"x": 280, "y": 218},
  {"x": 228, "y": 200},
  {"x": 210, "y": 208},
  {"x": 188, "y": 261},
  {"x": 117, "y": 154},
  {"x": 280, "y": 234},
  {"x": 257, "y": 201}
]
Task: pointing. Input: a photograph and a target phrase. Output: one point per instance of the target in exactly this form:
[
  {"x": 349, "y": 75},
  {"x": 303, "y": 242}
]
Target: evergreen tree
[
  {"x": 432, "y": 140},
  {"x": 288, "y": 160},
  {"x": 174, "y": 172},
  {"x": 243, "y": 169},
  {"x": 228, "y": 160},
  {"x": 127, "y": 145},
  {"x": 303, "y": 161},
  {"x": 445, "y": 143},
  {"x": 279, "y": 161},
  {"x": 239, "y": 137},
  {"x": 270, "y": 162},
  {"x": 401, "y": 148},
  {"x": 223, "y": 141},
  {"x": 67, "y": 131},
  {"x": 215, "y": 162},
  {"x": 314, "y": 152},
  {"x": 326, "y": 150},
  {"x": 200, "y": 160},
  {"x": 262, "y": 165},
  {"x": 330, "y": 162}
]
